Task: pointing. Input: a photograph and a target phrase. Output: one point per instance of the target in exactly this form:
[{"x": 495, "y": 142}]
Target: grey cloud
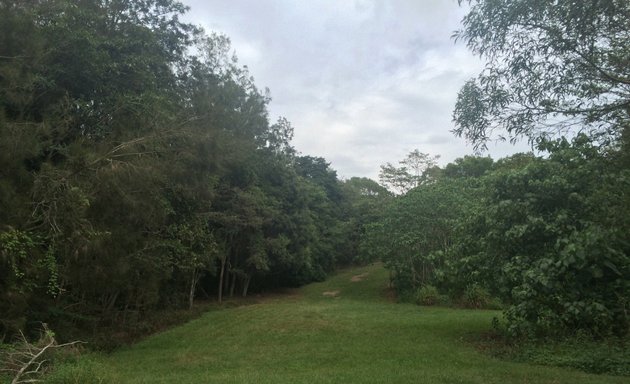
[{"x": 363, "y": 82}]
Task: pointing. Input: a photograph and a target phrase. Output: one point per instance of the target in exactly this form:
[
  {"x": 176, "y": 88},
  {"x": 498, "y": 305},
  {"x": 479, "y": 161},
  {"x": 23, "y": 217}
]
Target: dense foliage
[
  {"x": 548, "y": 236},
  {"x": 138, "y": 169},
  {"x": 551, "y": 67}
]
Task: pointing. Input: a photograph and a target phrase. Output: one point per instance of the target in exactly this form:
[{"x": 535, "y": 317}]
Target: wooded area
[
  {"x": 548, "y": 234},
  {"x": 139, "y": 170}
]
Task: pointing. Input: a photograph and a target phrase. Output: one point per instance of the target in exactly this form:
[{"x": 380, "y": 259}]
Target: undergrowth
[{"x": 605, "y": 356}]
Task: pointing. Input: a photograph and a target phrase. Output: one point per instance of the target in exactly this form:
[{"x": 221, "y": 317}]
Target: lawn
[{"x": 338, "y": 331}]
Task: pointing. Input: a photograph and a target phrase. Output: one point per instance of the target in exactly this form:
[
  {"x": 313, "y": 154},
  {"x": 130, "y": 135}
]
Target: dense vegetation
[
  {"x": 139, "y": 169},
  {"x": 547, "y": 235}
]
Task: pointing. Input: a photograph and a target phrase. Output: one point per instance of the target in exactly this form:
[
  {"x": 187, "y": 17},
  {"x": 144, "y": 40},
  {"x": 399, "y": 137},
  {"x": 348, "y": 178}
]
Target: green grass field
[{"x": 353, "y": 334}]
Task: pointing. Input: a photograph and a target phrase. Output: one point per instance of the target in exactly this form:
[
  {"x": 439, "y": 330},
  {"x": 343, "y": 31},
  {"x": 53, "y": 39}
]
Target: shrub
[
  {"x": 427, "y": 295},
  {"x": 476, "y": 296}
]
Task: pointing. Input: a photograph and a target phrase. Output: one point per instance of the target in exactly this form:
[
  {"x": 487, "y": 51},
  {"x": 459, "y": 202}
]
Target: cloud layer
[{"x": 363, "y": 82}]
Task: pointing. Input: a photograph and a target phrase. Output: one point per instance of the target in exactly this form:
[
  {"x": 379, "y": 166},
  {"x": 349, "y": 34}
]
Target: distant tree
[
  {"x": 366, "y": 202},
  {"x": 278, "y": 137},
  {"x": 363, "y": 186},
  {"x": 468, "y": 166},
  {"x": 412, "y": 172}
]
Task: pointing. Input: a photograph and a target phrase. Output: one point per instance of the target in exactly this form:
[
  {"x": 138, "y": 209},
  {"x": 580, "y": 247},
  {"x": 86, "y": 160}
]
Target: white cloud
[{"x": 363, "y": 82}]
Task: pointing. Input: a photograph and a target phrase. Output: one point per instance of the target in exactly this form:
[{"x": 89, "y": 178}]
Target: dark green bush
[{"x": 476, "y": 296}]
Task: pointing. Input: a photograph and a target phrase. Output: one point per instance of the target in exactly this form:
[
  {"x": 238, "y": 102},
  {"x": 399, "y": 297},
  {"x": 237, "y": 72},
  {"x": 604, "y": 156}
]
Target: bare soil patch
[
  {"x": 331, "y": 293},
  {"x": 357, "y": 278}
]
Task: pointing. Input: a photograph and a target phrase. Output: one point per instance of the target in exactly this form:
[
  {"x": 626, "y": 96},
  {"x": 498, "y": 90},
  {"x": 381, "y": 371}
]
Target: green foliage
[
  {"x": 414, "y": 171},
  {"x": 580, "y": 352},
  {"x": 544, "y": 236},
  {"x": 15, "y": 247},
  {"x": 138, "y": 169},
  {"x": 366, "y": 202},
  {"x": 476, "y": 296},
  {"x": 468, "y": 166},
  {"x": 417, "y": 229},
  {"x": 82, "y": 371},
  {"x": 601, "y": 357},
  {"x": 549, "y": 242},
  {"x": 27, "y": 271},
  {"x": 427, "y": 295},
  {"x": 549, "y": 67}
]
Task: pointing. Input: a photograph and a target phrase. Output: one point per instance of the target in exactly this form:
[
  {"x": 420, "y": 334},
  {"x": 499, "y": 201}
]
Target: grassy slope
[{"x": 357, "y": 337}]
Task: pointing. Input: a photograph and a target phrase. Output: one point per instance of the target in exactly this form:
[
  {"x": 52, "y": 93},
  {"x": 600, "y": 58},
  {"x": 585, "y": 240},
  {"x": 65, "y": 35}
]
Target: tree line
[
  {"x": 545, "y": 235},
  {"x": 139, "y": 169},
  {"x": 548, "y": 235}
]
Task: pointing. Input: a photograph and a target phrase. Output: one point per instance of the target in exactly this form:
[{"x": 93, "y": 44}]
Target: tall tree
[
  {"x": 550, "y": 239},
  {"x": 137, "y": 161},
  {"x": 414, "y": 170},
  {"x": 551, "y": 66}
]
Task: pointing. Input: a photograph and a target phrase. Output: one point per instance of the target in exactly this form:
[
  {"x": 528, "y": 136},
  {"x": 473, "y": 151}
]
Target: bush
[
  {"x": 549, "y": 238},
  {"x": 427, "y": 295},
  {"x": 608, "y": 356},
  {"x": 476, "y": 296},
  {"x": 579, "y": 351}
]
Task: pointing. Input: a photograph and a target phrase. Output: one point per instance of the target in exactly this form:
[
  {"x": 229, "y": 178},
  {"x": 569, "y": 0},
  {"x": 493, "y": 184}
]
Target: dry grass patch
[{"x": 357, "y": 278}]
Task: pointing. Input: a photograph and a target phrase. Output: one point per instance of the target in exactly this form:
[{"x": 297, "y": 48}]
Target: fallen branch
[{"x": 25, "y": 361}]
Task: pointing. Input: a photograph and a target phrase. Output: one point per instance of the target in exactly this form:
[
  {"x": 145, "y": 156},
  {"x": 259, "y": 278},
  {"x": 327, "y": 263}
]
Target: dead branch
[{"x": 26, "y": 360}]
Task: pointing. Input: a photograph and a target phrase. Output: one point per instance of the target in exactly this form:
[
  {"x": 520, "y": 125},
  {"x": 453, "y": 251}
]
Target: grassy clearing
[{"x": 354, "y": 336}]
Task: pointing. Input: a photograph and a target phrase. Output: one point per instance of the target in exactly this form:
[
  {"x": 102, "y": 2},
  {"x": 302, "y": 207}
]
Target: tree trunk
[
  {"x": 233, "y": 284},
  {"x": 424, "y": 273},
  {"x": 221, "y": 275},
  {"x": 110, "y": 301},
  {"x": 414, "y": 274},
  {"x": 226, "y": 282},
  {"x": 248, "y": 278},
  {"x": 193, "y": 284}
]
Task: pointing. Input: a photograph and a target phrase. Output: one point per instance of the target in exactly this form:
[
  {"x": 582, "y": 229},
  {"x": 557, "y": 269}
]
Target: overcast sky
[{"x": 363, "y": 82}]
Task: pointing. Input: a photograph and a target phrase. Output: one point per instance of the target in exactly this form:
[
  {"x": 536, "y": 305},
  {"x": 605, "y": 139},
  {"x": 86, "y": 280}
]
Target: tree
[
  {"x": 468, "y": 166},
  {"x": 138, "y": 165},
  {"x": 550, "y": 66},
  {"x": 411, "y": 233},
  {"x": 550, "y": 240},
  {"x": 414, "y": 171},
  {"x": 365, "y": 205},
  {"x": 192, "y": 247},
  {"x": 278, "y": 137}
]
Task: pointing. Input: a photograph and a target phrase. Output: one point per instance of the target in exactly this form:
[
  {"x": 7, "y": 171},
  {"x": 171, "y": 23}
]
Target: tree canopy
[
  {"x": 552, "y": 67},
  {"x": 139, "y": 170}
]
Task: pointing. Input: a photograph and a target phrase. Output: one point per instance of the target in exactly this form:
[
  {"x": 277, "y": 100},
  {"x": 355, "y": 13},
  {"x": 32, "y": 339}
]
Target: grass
[{"x": 357, "y": 336}]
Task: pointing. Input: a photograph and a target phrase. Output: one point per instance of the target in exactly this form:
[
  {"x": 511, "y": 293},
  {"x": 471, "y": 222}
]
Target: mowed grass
[{"x": 358, "y": 336}]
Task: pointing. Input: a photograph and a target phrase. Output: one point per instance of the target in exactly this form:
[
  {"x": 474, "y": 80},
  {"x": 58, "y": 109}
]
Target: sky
[{"x": 363, "y": 82}]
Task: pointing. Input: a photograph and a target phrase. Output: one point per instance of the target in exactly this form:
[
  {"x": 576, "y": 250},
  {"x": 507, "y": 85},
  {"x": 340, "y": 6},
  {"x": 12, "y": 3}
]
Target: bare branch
[{"x": 26, "y": 361}]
